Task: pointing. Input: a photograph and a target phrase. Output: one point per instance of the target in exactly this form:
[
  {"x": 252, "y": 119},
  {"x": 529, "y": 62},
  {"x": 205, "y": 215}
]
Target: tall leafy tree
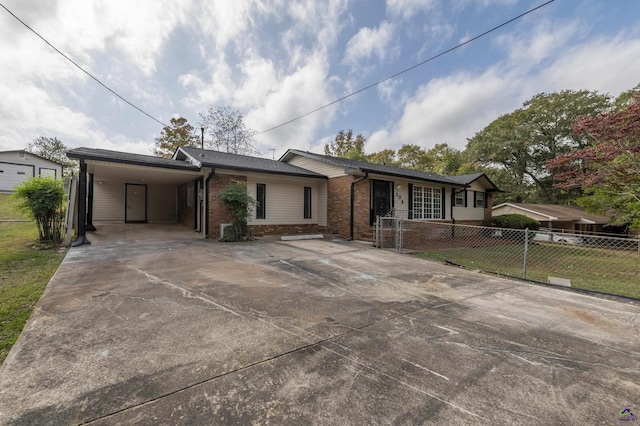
[
  {"x": 609, "y": 166},
  {"x": 225, "y": 130},
  {"x": 345, "y": 145},
  {"x": 414, "y": 157},
  {"x": 386, "y": 156},
  {"x": 523, "y": 141},
  {"x": 55, "y": 150},
  {"x": 179, "y": 133}
]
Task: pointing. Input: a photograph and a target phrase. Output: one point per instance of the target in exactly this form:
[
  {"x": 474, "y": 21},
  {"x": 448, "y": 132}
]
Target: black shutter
[
  {"x": 475, "y": 199},
  {"x": 443, "y": 212},
  {"x": 465, "y": 197},
  {"x": 410, "y": 206}
]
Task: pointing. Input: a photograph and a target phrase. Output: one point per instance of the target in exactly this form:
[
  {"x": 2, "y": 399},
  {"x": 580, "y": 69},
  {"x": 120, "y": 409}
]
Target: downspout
[
  {"x": 206, "y": 203},
  {"x": 353, "y": 184}
]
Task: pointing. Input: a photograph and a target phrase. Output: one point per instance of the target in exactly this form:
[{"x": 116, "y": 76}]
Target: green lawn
[
  {"x": 24, "y": 272},
  {"x": 608, "y": 271}
]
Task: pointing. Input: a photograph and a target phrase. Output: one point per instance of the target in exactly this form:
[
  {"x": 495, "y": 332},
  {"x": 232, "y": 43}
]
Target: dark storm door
[
  {"x": 381, "y": 198},
  {"x": 135, "y": 204}
]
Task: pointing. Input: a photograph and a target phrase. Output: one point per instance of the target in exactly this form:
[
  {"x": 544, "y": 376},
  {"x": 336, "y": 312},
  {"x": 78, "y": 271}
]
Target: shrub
[
  {"x": 514, "y": 221},
  {"x": 240, "y": 204},
  {"x": 42, "y": 199}
]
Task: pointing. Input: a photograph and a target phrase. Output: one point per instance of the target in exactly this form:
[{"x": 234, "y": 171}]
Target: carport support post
[
  {"x": 526, "y": 253},
  {"x": 90, "y": 226},
  {"x": 82, "y": 207}
]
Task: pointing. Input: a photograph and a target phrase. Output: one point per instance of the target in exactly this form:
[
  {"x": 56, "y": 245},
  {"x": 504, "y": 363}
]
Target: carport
[{"x": 122, "y": 188}]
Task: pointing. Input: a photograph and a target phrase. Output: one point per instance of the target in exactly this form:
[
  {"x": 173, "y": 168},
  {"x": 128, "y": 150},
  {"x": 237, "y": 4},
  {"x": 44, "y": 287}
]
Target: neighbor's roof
[
  {"x": 470, "y": 178},
  {"x": 352, "y": 166},
  {"x": 31, "y": 153},
  {"x": 559, "y": 213},
  {"x": 224, "y": 160},
  {"x": 128, "y": 158}
]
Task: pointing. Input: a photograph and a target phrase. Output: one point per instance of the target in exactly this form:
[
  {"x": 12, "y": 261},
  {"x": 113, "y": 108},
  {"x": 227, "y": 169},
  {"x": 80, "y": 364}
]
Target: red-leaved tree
[{"x": 608, "y": 169}]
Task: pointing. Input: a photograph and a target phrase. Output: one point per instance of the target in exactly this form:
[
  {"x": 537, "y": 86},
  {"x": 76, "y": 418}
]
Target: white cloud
[
  {"x": 369, "y": 42},
  {"x": 455, "y": 107},
  {"x": 409, "y": 8}
]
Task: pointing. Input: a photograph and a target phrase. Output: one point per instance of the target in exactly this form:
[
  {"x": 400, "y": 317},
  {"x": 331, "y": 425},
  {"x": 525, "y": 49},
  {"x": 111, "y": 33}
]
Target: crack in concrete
[
  {"x": 545, "y": 357},
  {"x": 186, "y": 293}
]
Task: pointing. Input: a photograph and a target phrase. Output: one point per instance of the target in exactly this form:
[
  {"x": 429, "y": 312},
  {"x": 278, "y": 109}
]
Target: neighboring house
[
  {"x": 18, "y": 166},
  {"x": 300, "y": 193},
  {"x": 562, "y": 218}
]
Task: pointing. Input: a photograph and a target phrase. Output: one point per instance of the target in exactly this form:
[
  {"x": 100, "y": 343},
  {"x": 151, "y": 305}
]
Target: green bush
[
  {"x": 42, "y": 198},
  {"x": 240, "y": 204},
  {"x": 514, "y": 221}
]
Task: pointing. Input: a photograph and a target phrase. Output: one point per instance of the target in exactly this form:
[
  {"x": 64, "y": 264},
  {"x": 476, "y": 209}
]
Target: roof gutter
[{"x": 353, "y": 184}]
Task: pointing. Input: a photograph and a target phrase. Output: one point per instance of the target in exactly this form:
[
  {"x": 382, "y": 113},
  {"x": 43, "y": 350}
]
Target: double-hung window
[
  {"x": 427, "y": 203},
  {"x": 479, "y": 199}
]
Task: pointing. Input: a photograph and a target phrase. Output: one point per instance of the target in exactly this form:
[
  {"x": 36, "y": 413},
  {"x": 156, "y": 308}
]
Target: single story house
[
  {"x": 18, "y": 166},
  {"x": 300, "y": 193},
  {"x": 555, "y": 217}
]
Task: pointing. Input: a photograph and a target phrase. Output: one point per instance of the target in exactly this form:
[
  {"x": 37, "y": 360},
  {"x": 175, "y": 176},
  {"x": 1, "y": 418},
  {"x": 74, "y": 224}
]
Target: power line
[
  {"x": 82, "y": 69},
  {"x": 407, "y": 69}
]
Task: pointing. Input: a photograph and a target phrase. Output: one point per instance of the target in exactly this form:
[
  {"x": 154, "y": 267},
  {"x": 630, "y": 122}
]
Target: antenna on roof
[
  {"x": 202, "y": 142},
  {"x": 273, "y": 153}
]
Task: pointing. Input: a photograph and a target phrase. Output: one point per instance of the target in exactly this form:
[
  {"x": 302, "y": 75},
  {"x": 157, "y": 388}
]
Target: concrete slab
[{"x": 191, "y": 331}]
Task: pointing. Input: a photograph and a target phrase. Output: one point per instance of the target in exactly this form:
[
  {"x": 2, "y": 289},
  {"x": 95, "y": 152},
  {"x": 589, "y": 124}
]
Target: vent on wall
[{"x": 225, "y": 229}]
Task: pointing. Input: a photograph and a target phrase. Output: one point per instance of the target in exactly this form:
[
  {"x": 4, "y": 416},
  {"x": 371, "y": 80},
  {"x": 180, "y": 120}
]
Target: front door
[
  {"x": 135, "y": 203},
  {"x": 381, "y": 196}
]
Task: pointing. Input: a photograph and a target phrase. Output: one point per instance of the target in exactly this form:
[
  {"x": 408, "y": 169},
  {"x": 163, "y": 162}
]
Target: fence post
[
  {"x": 526, "y": 253},
  {"x": 375, "y": 239},
  {"x": 400, "y": 235}
]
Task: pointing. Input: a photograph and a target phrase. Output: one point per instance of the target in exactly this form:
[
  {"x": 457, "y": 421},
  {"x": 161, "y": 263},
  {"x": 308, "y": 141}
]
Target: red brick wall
[
  {"x": 218, "y": 212},
  {"x": 362, "y": 211},
  {"x": 339, "y": 207},
  {"x": 260, "y": 230},
  {"x": 489, "y": 204}
]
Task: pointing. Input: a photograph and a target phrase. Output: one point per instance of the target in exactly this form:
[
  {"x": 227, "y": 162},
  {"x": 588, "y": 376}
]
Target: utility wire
[
  {"x": 82, "y": 69},
  {"x": 407, "y": 69}
]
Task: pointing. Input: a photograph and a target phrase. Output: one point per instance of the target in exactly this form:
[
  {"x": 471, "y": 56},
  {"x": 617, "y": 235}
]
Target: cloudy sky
[{"x": 277, "y": 59}]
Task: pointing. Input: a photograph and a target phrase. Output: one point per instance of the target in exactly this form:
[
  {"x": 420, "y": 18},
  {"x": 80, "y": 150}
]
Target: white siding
[
  {"x": 161, "y": 203},
  {"x": 108, "y": 202},
  {"x": 29, "y": 165},
  {"x": 13, "y": 174},
  {"x": 317, "y": 166},
  {"x": 285, "y": 199},
  {"x": 470, "y": 212}
]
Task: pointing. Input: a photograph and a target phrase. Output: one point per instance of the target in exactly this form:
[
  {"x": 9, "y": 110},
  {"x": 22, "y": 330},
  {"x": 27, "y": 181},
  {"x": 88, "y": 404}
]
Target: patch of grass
[
  {"x": 24, "y": 273},
  {"x": 605, "y": 270},
  {"x": 7, "y": 210}
]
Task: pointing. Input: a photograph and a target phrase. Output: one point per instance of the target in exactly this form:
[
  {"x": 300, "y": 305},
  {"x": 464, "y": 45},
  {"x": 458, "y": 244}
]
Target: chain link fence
[{"x": 605, "y": 264}]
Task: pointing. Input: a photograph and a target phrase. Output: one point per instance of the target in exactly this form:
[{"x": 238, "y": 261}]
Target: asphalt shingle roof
[
  {"x": 128, "y": 158},
  {"x": 562, "y": 212},
  {"x": 226, "y": 160},
  {"x": 377, "y": 168}
]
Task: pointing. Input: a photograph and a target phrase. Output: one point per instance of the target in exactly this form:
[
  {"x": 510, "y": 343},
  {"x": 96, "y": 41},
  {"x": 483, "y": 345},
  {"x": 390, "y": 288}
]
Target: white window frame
[
  {"x": 462, "y": 200},
  {"x": 427, "y": 203},
  {"x": 481, "y": 200}
]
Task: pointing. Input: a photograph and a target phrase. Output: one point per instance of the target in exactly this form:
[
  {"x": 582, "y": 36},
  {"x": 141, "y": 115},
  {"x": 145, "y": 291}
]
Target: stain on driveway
[{"x": 198, "y": 332}]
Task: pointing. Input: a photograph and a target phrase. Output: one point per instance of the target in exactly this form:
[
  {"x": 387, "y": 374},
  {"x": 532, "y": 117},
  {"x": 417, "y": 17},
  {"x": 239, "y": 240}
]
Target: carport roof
[
  {"x": 128, "y": 158},
  {"x": 224, "y": 160}
]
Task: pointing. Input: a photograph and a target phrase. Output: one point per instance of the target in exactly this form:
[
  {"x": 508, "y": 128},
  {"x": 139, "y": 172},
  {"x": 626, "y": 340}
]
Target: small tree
[
  {"x": 179, "y": 133},
  {"x": 42, "y": 198},
  {"x": 240, "y": 204}
]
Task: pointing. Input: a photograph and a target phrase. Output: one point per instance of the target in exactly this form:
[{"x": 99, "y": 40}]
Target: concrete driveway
[{"x": 187, "y": 331}]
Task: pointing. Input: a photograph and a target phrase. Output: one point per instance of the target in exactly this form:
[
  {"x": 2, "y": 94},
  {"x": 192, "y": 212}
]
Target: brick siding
[{"x": 218, "y": 212}]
